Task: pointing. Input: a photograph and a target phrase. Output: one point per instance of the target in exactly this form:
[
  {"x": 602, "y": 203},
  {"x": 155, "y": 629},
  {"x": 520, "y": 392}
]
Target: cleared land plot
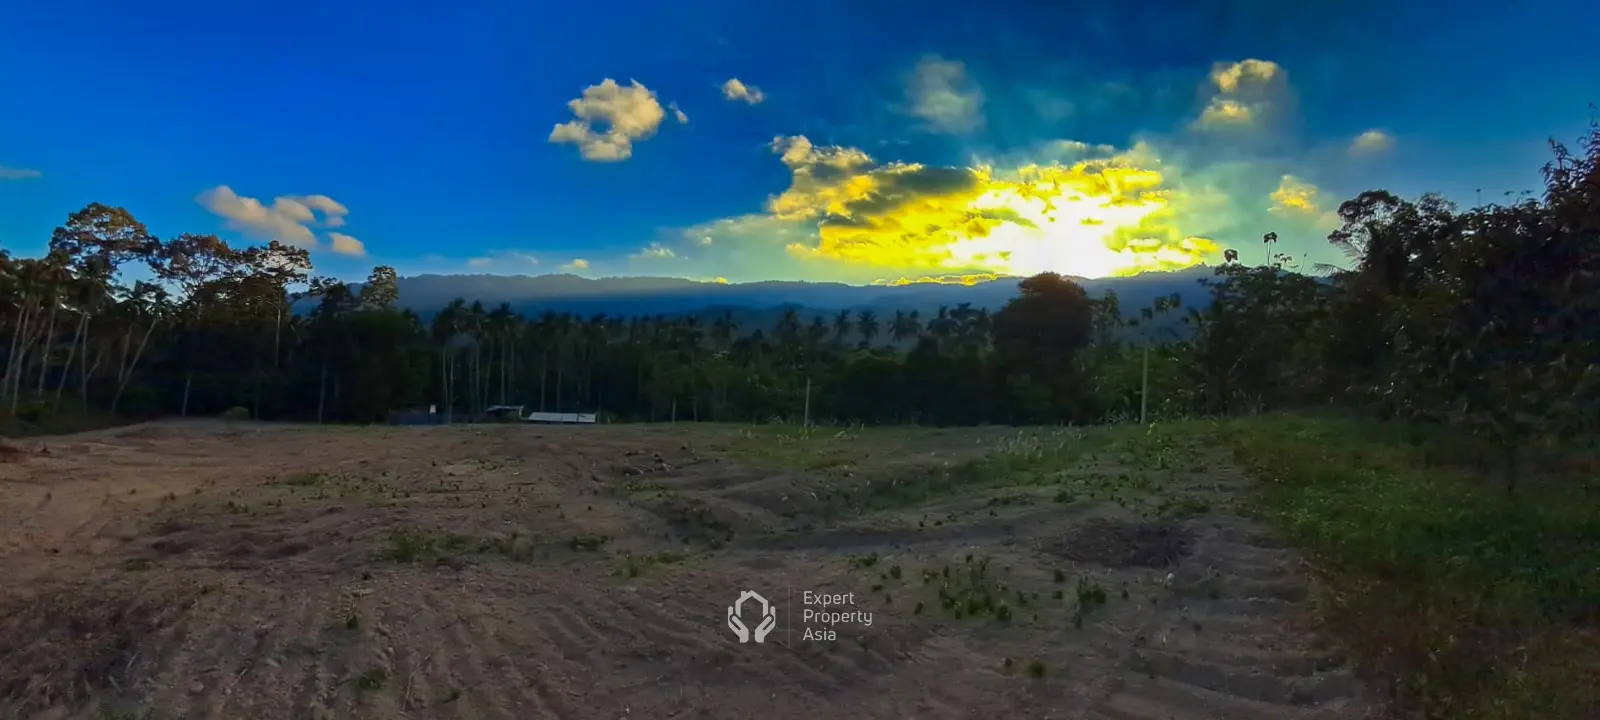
[{"x": 240, "y": 570}]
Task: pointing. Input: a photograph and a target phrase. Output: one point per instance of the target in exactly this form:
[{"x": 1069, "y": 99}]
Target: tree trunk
[
  {"x": 85, "y": 367},
  {"x": 14, "y": 348},
  {"x": 72, "y": 350},
  {"x": 49, "y": 345},
  {"x": 277, "y": 336},
  {"x": 19, "y": 350},
  {"x": 126, "y": 375}
]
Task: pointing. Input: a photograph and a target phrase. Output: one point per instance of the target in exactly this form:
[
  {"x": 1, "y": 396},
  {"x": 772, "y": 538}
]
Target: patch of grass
[
  {"x": 1028, "y": 459},
  {"x": 324, "y": 485},
  {"x": 1129, "y": 466},
  {"x": 971, "y": 590},
  {"x": 372, "y": 679},
  {"x": 634, "y": 565},
  {"x": 1470, "y": 603},
  {"x": 587, "y": 543},
  {"x": 1090, "y": 596},
  {"x": 794, "y": 447},
  {"x": 41, "y": 415},
  {"x": 413, "y": 545}
]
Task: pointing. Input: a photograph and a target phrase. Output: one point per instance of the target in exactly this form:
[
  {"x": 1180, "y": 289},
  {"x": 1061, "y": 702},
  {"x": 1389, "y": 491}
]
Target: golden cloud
[
  {"x": 1096, "y": 217},
  {"x": 1243, "y": 92},
  {"x": 1302, "y": 201},
  {"x": 1230, "y": 77},
  {"x": 735, "y": 89},
  {"x": 967, "y": 280},
  {"x": 1296, "y": 196},
  {"x": 1223, "y": 111}
]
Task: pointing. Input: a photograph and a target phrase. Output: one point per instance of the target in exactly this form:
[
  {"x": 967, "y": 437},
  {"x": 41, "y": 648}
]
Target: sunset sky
[{"x": 851, "y": 141}]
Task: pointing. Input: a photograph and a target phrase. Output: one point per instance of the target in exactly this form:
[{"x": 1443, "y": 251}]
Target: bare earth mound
[{"x": 250, "y": 571}]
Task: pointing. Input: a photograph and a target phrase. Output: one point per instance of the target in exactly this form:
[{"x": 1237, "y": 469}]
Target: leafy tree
[{"x": 1038, "y": 334}]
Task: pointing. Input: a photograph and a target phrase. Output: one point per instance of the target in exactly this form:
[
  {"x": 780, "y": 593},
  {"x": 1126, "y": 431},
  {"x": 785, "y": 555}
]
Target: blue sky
[{"x": 890, "y": 140}]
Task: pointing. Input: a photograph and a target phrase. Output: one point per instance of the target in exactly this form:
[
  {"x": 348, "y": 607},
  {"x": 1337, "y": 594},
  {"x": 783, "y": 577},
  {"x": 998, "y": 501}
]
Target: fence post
[
  {"x": 1144, "y": 388},
  {"x": 805, "y": 420}
]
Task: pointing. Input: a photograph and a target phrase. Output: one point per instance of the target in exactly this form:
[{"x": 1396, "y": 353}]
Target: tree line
[{"x": 1486, "y": 318}]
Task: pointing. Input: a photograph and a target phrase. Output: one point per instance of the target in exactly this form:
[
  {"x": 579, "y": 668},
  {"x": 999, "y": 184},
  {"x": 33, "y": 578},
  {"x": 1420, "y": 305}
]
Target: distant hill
[
  {"x": 531, "y": 294},
  {"x": 757, "y": 304}
]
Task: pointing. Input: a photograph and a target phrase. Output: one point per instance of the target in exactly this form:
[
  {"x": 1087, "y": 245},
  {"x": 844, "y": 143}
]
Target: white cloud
[
  {"x": 942, "y": 94},
  {"x": 627, "y": 115},
  {"x": 290, "y": 219},
  {"x": 11, "y": 173},
  {"x": 576, "y": 264},
  {"x": 346, "y": 245},
  {"x": 735, "y": 89},
  {"x": 1371, "y": 141},
  {"x": 503, "y": 260},
  {"x": 333, "y": 211},
  {"x": 654, "y": 250}
]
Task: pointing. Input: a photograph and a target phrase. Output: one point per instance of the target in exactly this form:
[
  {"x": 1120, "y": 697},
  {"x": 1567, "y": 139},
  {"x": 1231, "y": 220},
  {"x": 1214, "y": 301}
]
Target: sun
[{"x": 1083, "y": 220}]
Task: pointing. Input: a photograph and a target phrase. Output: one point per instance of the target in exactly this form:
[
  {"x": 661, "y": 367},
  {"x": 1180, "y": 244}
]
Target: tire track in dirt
[
  {"x": 515, "y": 661},
  {"x": 467, "y": 671},
  {"x": 1230, "y": 647},
  {"x": 521, "y": 694},
  {"x": 308, "y": 681}
]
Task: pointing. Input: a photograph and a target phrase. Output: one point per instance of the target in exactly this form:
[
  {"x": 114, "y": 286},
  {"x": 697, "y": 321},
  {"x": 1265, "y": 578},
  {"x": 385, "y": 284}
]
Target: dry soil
[{"x": 217, "y": 570}]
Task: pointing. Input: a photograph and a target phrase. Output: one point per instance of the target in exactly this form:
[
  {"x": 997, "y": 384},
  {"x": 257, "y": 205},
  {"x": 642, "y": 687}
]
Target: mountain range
[
  {"x": 632, "y": 296},
  {"x": 758, "y": 305}
]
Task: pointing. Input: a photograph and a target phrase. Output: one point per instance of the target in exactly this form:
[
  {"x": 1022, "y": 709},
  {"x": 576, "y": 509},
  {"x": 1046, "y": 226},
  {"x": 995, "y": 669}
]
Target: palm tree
[
  {"x": 867, "y": 326},
  {"x": 841, "y": 326}
]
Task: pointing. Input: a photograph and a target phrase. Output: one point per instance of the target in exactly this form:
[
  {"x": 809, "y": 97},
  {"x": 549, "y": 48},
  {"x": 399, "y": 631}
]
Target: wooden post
[
  {"x": 1144, "y": 389},
  {"x": 806, "y": 417}
]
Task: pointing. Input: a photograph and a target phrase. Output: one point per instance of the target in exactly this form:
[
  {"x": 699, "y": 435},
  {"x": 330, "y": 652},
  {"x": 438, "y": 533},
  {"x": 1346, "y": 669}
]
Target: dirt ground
[{"x": 216, "y": 570}]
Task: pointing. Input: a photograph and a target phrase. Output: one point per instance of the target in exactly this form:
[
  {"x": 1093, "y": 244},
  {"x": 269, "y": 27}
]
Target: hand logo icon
[
  {"x": 767, "y": 624},
  {"x": 737, "y": 625},
  {"x": 769, "y": 618}
]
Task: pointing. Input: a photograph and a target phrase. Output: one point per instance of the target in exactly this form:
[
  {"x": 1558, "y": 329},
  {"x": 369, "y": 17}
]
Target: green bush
[{"x": 236, "y": 413}]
